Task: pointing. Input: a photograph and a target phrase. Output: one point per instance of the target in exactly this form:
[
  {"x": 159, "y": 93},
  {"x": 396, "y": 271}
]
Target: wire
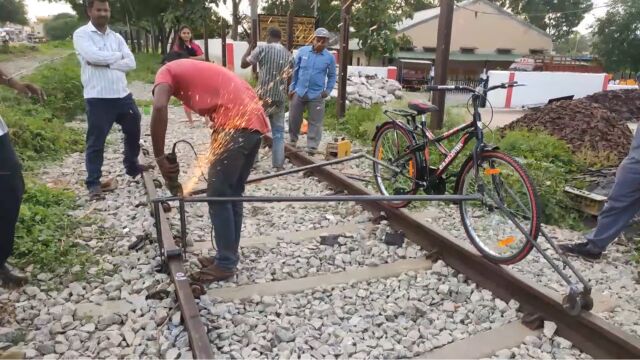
[
  {"x": 195, "y": 153},
  {"x": 536, "y": 14}
]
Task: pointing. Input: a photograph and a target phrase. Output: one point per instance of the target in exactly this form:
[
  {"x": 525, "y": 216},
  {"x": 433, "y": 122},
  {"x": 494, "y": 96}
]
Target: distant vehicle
[
  {"x": 413, "y": 74},
  {"x": 35, "y": 39},
  {"x": 557, "y": 64}
]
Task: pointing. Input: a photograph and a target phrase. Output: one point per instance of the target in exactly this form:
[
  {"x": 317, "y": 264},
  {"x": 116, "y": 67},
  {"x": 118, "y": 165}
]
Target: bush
[
  {"x": 43, "y": 226},
  {"x": 550, "y": 163},
  {"x": 61, "y": 82},
  {"x": 61, "y": 26}
]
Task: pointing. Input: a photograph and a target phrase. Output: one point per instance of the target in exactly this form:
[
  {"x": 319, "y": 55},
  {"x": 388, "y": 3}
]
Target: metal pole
[
  {"x": 206, "y": 41},
  {"x": 445, "y": 22},
  {"x": 254, "y": 32},
  {"x": 320, "y": 198},
  {"x": 223, "y": 38},
  {"x": 344, "y": 57}
]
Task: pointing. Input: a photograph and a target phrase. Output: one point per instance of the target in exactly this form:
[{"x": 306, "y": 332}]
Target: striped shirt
[
  {"x": 104, "y": 59},
  {"x": 3, "y": 127},
  {"x": 273, "y": 60}
]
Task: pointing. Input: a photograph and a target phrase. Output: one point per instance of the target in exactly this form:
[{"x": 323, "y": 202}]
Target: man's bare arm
[{"x": 159, "y": 118}]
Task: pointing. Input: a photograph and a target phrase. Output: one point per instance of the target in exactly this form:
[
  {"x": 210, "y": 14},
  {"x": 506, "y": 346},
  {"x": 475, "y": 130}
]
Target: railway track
[{"x": 441, "y": 282}]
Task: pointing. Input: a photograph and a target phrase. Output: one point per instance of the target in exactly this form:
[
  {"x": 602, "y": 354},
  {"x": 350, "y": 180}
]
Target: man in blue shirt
[{"x": 314, "y": 76}]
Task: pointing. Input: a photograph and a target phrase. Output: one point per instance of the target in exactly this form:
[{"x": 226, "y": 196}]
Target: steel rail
[
  {"x": 587, "y": 331},
  {"x": 172, "y": 255}
]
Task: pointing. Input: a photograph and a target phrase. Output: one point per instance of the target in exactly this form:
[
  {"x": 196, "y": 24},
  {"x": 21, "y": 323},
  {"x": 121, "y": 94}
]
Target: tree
[
  {"x": 574, "y": 44},
  {"x": 61, "y": 26},
  {"x": 374, "y": 22},
  {"x": 328, "y": 11},
  {"x": 558, "y": 18},
  {"x": 617, "y": 36},
  {"x": 13, "y": 11}
]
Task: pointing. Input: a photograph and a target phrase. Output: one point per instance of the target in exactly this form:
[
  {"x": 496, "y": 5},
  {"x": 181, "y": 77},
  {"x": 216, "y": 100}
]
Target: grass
[
  {"x": 15, "y": 51},
  {"x": 40, "y": 135},
  {"x": 146, "y": 67}
]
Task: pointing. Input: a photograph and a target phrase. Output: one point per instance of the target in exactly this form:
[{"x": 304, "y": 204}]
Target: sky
[{"x": 43, "y": 8}]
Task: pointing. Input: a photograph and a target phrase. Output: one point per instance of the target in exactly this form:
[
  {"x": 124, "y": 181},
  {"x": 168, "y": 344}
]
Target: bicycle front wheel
[
  {"x": 390, "y": 144},
  {"x": 507, "y": 190}
]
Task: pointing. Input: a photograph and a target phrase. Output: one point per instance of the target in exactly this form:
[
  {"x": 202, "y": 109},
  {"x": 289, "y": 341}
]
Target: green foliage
[
  {"x": 550, "y": 163},
  {"x": 38, "y": 132},
  {"x": 61, "y": 82},
  {"x": 146, "y": 67},
  {"x": 617, "y": 36},
  {"x": 359, "y": 123},
  {"x": 575, "y": 44},
  {"x": 44, "y": 225},
  {"x": 13, "y": 11},
  {"x": 61, "y": 26},
  {"x": 558, "y": 18}
]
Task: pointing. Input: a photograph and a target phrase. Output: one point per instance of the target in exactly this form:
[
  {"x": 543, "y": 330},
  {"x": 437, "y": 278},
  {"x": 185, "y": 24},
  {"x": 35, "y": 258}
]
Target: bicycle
[{"x": 407, "y": 146}]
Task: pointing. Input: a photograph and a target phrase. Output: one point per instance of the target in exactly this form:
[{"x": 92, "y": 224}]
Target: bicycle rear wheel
[
  {"x": 507, "y": 188},
  {"x": 390, "y": 143}
]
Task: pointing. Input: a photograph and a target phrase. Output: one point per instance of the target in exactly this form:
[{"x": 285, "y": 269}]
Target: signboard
[{"x": 303, "y": 28}]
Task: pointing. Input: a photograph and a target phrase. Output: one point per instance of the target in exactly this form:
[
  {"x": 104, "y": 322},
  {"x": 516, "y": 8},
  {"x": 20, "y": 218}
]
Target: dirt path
[{"x": 24, "y": 65}]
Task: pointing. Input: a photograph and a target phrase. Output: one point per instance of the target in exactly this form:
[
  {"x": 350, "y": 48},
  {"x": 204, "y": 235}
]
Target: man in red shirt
[{"x": 238, "y": 122}]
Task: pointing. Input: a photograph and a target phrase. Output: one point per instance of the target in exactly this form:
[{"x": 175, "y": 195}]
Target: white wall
[
  {"x": 542, "y": 86},
  {"x": 215, "y": 54}
]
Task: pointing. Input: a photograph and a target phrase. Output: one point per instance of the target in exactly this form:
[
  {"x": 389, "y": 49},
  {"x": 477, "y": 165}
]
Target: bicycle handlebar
[{"x": 470, "y": 89}]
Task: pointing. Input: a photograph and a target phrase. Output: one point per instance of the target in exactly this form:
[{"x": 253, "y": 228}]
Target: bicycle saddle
[{"x": 422, "y": 107}]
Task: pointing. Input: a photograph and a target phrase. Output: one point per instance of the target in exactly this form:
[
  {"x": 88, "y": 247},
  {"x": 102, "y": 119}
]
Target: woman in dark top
[{"x": 185, "y": 44}]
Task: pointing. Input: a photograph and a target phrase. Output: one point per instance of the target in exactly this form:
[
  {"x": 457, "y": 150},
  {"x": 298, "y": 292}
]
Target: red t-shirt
[
  {"x": 194, "y": 45},
  {"x": 212, "y": 90}
]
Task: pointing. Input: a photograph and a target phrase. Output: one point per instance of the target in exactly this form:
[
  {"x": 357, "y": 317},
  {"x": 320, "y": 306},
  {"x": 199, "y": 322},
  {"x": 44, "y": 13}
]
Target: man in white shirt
[
  {"x": 11, "y": 187},
  {"x": 105, "y": 59}
]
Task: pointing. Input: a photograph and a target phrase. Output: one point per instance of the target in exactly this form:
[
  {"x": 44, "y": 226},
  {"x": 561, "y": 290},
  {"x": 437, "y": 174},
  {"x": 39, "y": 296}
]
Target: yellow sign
[{"x": 303, "y": 28}]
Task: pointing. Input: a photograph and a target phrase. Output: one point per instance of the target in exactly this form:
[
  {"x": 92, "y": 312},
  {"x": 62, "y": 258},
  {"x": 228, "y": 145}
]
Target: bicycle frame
[{"x": 469, "y": 131}]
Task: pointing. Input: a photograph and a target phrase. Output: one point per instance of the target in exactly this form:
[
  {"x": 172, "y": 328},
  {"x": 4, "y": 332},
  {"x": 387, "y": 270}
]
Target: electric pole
[
  {"x": 343, "y": 55},
  {"x": 443, "y": 47},
  {"x": 254, "y": 32}
]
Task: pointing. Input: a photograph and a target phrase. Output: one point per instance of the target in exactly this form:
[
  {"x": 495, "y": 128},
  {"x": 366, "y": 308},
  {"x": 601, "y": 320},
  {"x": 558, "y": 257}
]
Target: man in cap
[{"x": 314, "y": 76}]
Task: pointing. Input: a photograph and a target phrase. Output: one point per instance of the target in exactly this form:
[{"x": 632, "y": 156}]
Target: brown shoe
[
  {"x": 10, "y": 280},
  {"x": 212, "y": 274},
  {"x": 206, "y": 261},
  {"x": 109, "y": 185}
]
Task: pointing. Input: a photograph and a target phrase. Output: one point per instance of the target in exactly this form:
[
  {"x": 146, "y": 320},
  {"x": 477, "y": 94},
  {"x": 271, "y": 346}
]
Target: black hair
[
  {"x": 91, "y": 2},
  {"x": 274, "y": 33},
  {"x": 174, "y": 55}
]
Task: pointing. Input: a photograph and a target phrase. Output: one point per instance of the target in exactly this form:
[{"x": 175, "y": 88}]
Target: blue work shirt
[{"x": 313, "y": 72}]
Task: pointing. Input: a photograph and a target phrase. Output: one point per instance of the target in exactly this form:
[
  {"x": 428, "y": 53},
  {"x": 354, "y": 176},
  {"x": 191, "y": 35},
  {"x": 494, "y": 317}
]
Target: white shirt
[
  {"x": 111, "y": 51},
  {"x": 3, "y": 127}
]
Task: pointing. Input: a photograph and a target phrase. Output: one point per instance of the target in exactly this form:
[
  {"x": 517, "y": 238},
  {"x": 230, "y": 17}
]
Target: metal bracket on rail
[{"x": 577, "y": 299}]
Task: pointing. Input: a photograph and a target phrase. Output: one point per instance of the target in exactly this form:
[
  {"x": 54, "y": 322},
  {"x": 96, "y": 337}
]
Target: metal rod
[
  {"x": 565, "y": 260},
  {"x": 292, "y": 171},
  {"x": 349, "y": 198},
  {"x": 183, "y": 226},
  {"x": 156, "y": 217}
]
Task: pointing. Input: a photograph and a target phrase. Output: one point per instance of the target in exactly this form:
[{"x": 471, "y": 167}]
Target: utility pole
[
  {"x": 206, "y": 41},
  {"x": 290, "y": 29},
  {"x": 443, "y": 47},
  {"x": 223, "y": 41},
  {"x": 254, "y": 32},
  {"x": 345, "y": 16}
]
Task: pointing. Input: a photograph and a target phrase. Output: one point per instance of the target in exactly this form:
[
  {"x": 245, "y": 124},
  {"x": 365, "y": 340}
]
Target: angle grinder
[{"x": 171, "y": 182}]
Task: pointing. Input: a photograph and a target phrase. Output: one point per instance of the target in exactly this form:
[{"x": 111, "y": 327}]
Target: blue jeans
[
  {"x": 101, "y": 115},
  {"x": 276, "y": 118},
  {"x": 227, "y": 177},
  {"x": 623, "y": 203}
]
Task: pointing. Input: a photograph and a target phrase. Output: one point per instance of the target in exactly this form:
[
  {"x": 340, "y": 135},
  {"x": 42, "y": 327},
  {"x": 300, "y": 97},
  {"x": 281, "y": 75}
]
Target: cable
[{"x": 195, "y": 153}]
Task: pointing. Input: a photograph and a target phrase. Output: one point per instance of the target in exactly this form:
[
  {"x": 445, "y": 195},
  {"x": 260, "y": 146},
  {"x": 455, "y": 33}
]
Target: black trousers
[{"x": 11, "y": 191}]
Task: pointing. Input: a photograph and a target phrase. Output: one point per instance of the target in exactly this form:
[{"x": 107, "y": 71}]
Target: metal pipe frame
[{"x": 321, "y": 198}]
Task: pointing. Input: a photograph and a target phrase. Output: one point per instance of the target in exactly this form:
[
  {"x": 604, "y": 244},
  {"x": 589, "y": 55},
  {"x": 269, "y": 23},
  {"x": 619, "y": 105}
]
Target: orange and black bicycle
[{"x": 509, "y": 201}]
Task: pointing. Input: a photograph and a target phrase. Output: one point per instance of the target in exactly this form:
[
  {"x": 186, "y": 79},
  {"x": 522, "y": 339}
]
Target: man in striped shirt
[
  {"x": 273, "y": 60},
  {"x": 105, "y": 59}
]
